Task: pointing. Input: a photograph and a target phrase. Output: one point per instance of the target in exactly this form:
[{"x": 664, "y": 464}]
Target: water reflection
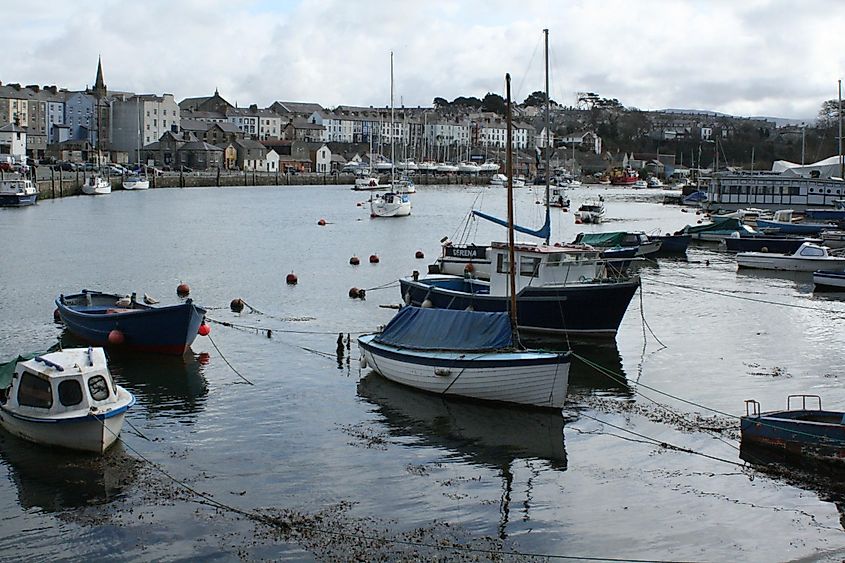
[
  {"x": 600, "y": 370},
  {"x": 493, "y": 436},
  {"x": 803, "y": 281},
  {"x": 53, "y": 479}
]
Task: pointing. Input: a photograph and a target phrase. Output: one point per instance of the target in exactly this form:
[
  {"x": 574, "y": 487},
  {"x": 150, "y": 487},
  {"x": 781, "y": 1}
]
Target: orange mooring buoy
[
  {"x": 373, "y": 259},
  {"x": 291, "y": 279},
  {"x": 116, "y": 337},
  {"x": 419, "y": 254},
  {"x": 183, "y": 289},
  {"x": 204, "y": 329},
  {"x": 321, "y": 222},
  {"x": 354, "y": 261},
  {"x": 237, "y": 305},
  {"x": 353, "y": 292}
]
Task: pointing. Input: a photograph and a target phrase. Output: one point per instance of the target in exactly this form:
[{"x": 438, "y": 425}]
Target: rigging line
[
  {"x": 723, "y": 294},
  {"x": 664, "y": 444},
  {"x": 275, "y": 522},
  {"x": 286, "y": 331},
  {"x": 227, "y": 361},
  {"x": 645, "y": 322}
]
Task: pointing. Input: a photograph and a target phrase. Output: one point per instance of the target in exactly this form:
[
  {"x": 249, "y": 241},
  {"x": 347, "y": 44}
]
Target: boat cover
[
  {"x": 718, "y": 224},
  {"x": 445, "y": 329},
  {"x": 614, "y": 238},
  {"x": 7, "y": 369}
]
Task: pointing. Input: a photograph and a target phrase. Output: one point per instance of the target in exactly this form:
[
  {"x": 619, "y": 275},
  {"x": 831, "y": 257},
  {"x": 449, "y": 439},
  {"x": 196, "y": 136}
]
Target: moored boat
[
  {"x": 590, "y": 212},
  {"x": 136, "y": 182},
  {"x": 638, "y": 240},
  {"x": 465, "y": 353},
  {"x": 390, "y": 204},
  {"x": 672, "y": 244},
  {"x": 717, "y": 229},
  {"x": 809, "y": 433},
  {"x": 808, "y": 258},
  {"x": 766, "y": 243},
  {"x": 829, "y": 280},
  {"x": 17, "y": 192},
  {"x": 784, "y": 222},
  {"x": 97, "y": 318},
  {"x": 96, "y": 185},
  {"x": 66, "y": 399}
]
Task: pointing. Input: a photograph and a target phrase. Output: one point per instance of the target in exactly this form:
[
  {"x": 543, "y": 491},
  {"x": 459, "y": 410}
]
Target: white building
[
  {"x": 139, "y": 120},
  {"x": 255, "y": 123},
  {"x": 338, "y": 129},
  {"x": 583, "y": 139},
  {"x": 13, "y": 142}
]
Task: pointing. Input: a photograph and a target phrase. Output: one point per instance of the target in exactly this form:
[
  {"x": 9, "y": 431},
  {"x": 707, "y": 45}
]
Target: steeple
[{"x": 99, "y": 83}]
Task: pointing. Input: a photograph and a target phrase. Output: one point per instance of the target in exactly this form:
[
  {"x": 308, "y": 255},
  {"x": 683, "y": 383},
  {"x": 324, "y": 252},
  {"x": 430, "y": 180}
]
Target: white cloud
[{"x": 759, "y": 57}]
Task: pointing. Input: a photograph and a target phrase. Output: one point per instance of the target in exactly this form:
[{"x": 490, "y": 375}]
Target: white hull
[
  {"x": 397, "y": 207},
  {"x": 446, "y": 168},
  {"x": 588, "y": 217},
  {"x": 834, "y": 280},
  {"x": 136, "y": 184},
  {"x": 98, "y": 187},
  {"x": 537, "y": 385},
  {"x": 90, "y": 434},
  {"x": 766, "y": 261}
]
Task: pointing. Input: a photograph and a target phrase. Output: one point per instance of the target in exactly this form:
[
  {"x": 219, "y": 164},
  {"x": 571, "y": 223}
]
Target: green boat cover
[
  {"x": 601, "y": 239},
  {"x": 719, "y": 224},
  {"x": 7, "y": 369}
]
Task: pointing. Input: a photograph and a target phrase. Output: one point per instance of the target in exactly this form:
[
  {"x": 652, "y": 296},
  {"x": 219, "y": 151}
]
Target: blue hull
[
  {"x": 794, "y": 228},
  {"x": 17, "y": 200},
  {"x": 91, "y": 316},
  {"x": 580, "y": 308},
  {"x": 815, "y": 434},
  {"x": 672, "y": 244},
  {"x": 826, "y": 214}
]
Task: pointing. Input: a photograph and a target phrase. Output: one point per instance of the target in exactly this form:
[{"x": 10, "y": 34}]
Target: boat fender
[
  {"x": 443, "y": 372},
  {"x": 427, "y": 304},
  {"x": 362, "y": 361},
  {"x": 764, "y": 249},
  {"x": 116, "y": 337}
]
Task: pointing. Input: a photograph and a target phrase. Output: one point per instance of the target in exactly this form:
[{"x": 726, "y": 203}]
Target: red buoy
[
  {"x": 419, "y": 254},
  {"x": 353, "y": 292},
  {"x": 321, "y": 222},
  {"x": 354, "y": 261},
  {"x": 373, "y": 259},
  {"x": 291, "y": 279},
  {"x": 204, "y": 330},
  {"x": 183, "y": 289},
  {"x": 57, "y": 317},
  {"x": 116, "y": 337}
]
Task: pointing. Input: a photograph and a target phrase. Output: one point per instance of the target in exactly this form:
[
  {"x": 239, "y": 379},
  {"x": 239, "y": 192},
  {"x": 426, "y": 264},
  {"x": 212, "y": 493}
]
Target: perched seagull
[
  {"x": 124, "y": 301},
  {"x": 150, "y": 300}
]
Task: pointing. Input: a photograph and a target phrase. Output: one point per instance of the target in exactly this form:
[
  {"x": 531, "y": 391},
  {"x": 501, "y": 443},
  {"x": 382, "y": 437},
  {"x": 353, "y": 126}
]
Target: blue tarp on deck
[{"x": 446, "y": 329}]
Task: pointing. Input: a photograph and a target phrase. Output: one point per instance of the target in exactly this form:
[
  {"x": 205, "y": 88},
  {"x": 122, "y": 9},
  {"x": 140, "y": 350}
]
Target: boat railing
[
  {"x": 752, "y": 408},
  {"x": 803, "y": 399}
]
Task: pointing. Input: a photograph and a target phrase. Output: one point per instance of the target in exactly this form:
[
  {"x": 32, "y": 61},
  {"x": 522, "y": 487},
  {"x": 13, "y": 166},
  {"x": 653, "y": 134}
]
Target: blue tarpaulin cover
[{"x": 446, "y": 329}]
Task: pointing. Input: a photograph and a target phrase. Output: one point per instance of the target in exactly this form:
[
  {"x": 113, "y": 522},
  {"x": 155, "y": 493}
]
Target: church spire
[{"x": 99, "y": 83}]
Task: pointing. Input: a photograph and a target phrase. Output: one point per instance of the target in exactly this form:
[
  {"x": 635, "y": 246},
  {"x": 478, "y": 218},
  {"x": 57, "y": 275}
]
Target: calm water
[{"x": 349, "y": 452}]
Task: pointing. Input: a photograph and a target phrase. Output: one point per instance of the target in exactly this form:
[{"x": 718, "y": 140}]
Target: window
[
  {"x": 528, "y": 266},
  {"x": 99, "y": 388},
  {"x": 812, "y": 251},
  {"x": 35, "y": 392},
  {"x": 70, "y": 392}
]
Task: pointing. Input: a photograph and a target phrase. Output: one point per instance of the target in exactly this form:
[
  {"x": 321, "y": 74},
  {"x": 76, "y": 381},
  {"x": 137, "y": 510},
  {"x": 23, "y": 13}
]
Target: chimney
[
  {"x": 253, "y": 107},
  {"x": 33, "y": 87}
]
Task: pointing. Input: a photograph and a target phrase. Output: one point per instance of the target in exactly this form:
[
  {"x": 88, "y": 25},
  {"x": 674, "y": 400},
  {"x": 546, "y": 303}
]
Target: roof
[
  {"x": 300, "y": 107},
  {"x": 194, "y": 125},
  {"x": 12, "y": 128},
  {"x": 226, "y": 126},
  {"x": 250, "y": 144},
  {"x": 302, "y": 124},
  {"x": 199, "y": 146}
]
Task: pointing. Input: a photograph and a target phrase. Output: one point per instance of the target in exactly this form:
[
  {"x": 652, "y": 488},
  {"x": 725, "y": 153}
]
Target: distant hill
[{"x": 779, "y": 121}]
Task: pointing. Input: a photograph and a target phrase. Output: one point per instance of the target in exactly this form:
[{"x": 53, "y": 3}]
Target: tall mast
[
  {"x": 841, "y": 162},
  {"x": 509, "y": 164},
  {"x": 548, "y": 131},
  {"x": 392, "y": 144}
]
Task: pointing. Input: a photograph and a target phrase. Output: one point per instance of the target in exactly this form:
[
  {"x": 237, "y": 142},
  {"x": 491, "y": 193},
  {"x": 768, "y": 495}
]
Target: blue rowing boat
[
  {"x": 808, "y": 432},
  {"x": 106, "y": 319}
]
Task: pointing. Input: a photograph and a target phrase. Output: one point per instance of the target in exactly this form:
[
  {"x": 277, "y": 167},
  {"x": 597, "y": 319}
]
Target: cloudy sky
[{"x": 750, "y": 57}]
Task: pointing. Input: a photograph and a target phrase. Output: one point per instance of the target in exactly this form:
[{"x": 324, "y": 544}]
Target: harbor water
[{"x": 267, "y": 441}]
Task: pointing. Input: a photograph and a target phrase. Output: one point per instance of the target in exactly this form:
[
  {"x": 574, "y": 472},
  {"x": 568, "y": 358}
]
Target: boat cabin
[
  {"x": 544, "y": 265},
  {"x": 43, "y": 388}
]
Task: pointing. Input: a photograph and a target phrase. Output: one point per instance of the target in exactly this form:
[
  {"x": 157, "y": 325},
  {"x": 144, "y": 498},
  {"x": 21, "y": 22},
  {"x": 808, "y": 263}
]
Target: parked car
[{"x": 64, "y": 166}]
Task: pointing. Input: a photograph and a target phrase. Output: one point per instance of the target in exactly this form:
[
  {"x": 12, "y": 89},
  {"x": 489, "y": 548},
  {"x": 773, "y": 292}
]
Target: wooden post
[
  {"x": 217, "y": 182},
  {"x": 53, "y": 183}
]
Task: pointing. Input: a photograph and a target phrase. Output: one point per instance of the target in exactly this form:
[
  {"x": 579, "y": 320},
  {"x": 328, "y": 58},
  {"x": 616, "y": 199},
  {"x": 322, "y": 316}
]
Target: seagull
[
  {"x": 124, "y": 301},
  {"x": 150, "y": 300}
]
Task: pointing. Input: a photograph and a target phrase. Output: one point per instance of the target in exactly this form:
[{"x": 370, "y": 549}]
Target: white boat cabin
[{"x": 544, "y": 265}]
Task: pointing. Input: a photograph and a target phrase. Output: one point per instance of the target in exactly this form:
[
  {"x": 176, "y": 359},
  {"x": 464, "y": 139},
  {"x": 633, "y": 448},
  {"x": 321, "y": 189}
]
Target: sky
[{"x": 773, "y": 58}]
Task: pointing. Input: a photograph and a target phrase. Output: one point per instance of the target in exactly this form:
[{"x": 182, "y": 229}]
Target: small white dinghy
[{"x": 66, "y": 398}]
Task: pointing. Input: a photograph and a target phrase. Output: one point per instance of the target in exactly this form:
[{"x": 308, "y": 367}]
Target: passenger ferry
[{"x": 772, "y": 190}]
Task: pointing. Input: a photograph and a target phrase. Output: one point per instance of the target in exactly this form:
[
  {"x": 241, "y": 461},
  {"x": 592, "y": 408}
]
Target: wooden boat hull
[
  {"x": 534, "y": 379},
  {"x": 90, "y": 433},
  {"x": 812, "y": 434},
  {"x": 585, "y": 308},
  {"x": 164, "y": 330}
]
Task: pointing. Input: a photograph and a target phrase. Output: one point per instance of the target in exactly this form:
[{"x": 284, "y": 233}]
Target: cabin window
[
  {"x": 70, "y": 392},
  {"x": 502, "y": 264},
  {"x": 528, "y": 266},
  {"x": 812, "y": 251},
  {"x": 99, "y": 388},
  {"x": 35, "y": 392}
]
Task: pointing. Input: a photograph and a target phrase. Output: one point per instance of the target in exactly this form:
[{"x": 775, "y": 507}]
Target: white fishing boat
[
  {"x": 808, "y": 258},
  {"x": 489, "y": 167},
  {"x": 498, "y": 180},
  {"x": 467, "y": 354},
  {"x": 17, "y": 192},
  {"x": 590, "y": 212},
  {"x": 95, "y": 184},
  {"x": 66, "y": 399},
  {"x": 136, "y": 182}
]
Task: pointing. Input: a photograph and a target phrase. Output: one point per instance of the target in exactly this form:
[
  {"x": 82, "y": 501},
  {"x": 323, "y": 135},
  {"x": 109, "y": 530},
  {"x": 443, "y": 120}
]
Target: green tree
[
  {"x": 441, "y": 103},
  {"x": 537, "y": 99},
  {"x": 494, "y": 103},
  {"x": 828, "y": 114}
]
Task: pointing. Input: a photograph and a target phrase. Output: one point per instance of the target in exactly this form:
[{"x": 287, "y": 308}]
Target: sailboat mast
[
  {"x": 392, "y": 143},
  {"x": 841, "y": 161},
  {"x": 509, "y": 165},
  {"x": 548, "y": 132}
]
